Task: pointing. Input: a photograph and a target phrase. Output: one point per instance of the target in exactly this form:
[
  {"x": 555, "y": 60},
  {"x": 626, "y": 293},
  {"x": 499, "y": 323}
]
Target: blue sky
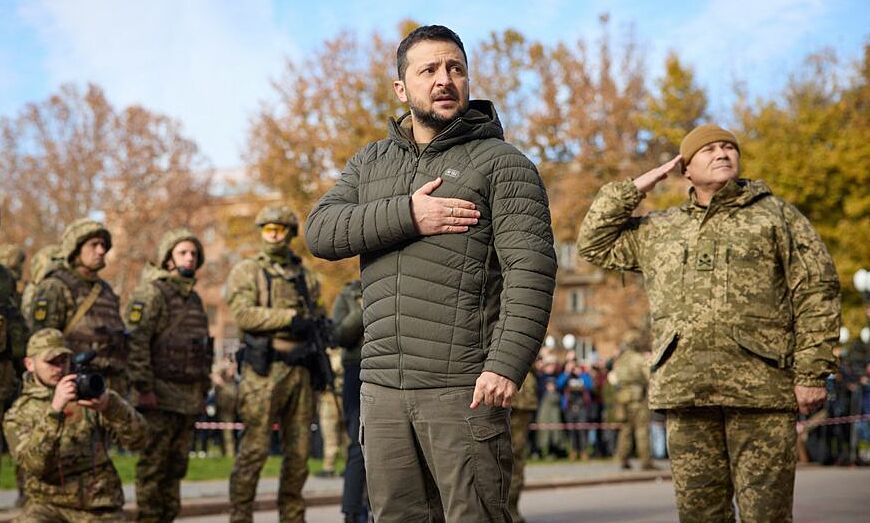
[{"x": 209, "y": 63}]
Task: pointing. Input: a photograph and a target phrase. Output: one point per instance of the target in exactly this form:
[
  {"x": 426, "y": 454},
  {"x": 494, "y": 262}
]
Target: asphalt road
[{"x": 835, "y": 495}]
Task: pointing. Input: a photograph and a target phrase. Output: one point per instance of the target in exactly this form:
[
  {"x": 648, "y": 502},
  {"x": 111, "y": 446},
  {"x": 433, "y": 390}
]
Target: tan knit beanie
[{"x": 701, "y": 136}]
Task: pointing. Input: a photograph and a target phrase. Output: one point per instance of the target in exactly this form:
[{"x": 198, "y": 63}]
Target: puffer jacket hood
[
  {"x": 479, "y": 122},
  {"x": 173, "y": 238},
  {"x": 80, "y": 231}
]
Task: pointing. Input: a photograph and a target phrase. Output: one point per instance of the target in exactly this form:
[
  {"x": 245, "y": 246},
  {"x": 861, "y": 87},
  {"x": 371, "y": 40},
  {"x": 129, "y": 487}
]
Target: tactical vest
[
  {"x": 276, "y": 289},
  {"x": 184, "y": 351},
  {"x": 101, "y": 329}
]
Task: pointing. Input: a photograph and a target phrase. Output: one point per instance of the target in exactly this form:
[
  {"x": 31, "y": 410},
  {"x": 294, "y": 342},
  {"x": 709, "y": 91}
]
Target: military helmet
[
  {"x": 80, "y": 231},
  {"x": 43, "y": 262},
  {"x": 173, "y": 238},
  {"x": 278, "y": 214},
  {"x": 12, "y": 257}
]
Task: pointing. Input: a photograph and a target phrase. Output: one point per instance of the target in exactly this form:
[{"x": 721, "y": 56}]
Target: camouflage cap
[
  {"x": 47, "y": 344},
  {"x": 282, "y": 214},
  {"x": 173, "y": 238},
  {"x": 80, "y": 231}
]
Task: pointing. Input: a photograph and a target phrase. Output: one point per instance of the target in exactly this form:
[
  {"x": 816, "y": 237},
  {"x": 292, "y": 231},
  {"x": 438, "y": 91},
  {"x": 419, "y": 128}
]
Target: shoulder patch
[
  {"x": 40, "y": 309},
  {"x": 136, "y": 309}
]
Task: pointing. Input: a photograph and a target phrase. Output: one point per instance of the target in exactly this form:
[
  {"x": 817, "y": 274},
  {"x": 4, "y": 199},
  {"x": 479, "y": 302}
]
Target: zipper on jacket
[{"x": 416, "y": 162}]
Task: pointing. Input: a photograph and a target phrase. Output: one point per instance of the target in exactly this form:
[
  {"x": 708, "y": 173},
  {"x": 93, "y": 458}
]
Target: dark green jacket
[
  {"x": 743, "y": 294},
  {"x": 439, "y": 310},
  {"x": 347, "y": 315}
]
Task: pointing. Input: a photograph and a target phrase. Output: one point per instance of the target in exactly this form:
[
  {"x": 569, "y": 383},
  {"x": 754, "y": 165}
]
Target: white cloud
[{"x": 206, "y": 63}]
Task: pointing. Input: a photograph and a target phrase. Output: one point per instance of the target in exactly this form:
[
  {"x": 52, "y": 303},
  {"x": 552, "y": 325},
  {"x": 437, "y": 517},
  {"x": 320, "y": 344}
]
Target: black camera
[{"x": 90, "y": 384}]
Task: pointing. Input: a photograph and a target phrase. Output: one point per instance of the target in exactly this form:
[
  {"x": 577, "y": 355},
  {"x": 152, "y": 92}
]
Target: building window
[
  {"x": 566, "y": 253},
  {"x": 577, "y": 300}
]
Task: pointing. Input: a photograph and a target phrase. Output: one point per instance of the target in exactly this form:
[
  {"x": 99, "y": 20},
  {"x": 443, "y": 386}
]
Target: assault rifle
[{"x": 318, "y": 340}]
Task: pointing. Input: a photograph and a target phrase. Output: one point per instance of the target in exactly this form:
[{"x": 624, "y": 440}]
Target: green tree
[
  {"x": 813, "y": 148},
  {"x": 75, "y": 155}
]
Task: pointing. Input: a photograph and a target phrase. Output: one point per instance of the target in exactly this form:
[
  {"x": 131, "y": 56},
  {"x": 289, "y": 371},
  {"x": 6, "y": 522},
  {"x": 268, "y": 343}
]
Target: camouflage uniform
[
  {"x": 68, "y": 470},
  {"x": 43, "y": 262},
  {"x": 61, "y": 294},
  {"x": 745, "y": 305},
  {"x": 631, "y": 376},
  {"x": 226, "y": 392},
  {"x": 330, "y": 415},
  {"x": 523, "y": 410},
  {"x": 170, "y": 355},
  {"x": 13, "y": 336},
  {"x": 264, "y": 300},
  {"x": 12, "y": 257}
]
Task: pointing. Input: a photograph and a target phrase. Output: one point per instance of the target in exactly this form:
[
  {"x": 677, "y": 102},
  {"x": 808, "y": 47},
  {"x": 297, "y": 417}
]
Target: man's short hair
[{"x": 425, "y": 32}]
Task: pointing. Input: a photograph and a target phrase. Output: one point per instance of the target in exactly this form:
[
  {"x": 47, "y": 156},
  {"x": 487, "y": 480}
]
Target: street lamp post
[{"x": 861, "y": 280}]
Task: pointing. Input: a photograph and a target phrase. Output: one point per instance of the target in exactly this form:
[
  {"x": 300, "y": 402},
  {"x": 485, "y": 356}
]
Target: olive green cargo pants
[
  {"x": 429, "y": 457},
  {"x": 719, "y": 453}
]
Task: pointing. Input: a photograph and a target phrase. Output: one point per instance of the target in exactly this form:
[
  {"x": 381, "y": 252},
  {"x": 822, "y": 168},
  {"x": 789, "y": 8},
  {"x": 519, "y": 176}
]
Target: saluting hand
[
  {"x": 646, "y": 181},
  {"x": 434, "y": 215},
  {"x": 494, "y": 390}
]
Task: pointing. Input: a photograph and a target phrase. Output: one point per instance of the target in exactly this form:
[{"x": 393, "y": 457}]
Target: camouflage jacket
[
  {"x": 527, "y": 396},
  {"x": 101, "y": 329},
  {"x": 263, "y": 298},
  {"x": 13, "y": 328},
  {"x": 631, "y": 376},
  {"x": 65, "y": 457},
  {"x": 347, "y": 315},
  {"x": 153, "y": 358},
  {"x": 743, "y": 293}
]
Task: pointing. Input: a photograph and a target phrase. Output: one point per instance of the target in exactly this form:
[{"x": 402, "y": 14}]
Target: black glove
[{"x": 301, "y": 326}]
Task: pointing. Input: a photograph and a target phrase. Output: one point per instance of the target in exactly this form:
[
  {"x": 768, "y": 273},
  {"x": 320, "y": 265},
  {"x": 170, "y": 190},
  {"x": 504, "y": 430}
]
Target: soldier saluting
[
  {"x": 745, "y": 305},
  {"x": 76, "y": 301},
  {"x": 170, "y": 362}
]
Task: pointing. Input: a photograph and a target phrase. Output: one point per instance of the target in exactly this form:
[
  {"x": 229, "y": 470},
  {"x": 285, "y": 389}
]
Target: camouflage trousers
[
  {"x": 635, "y": 428},
  {"x": 42, "y": 513},
  {"x": 520, "y": 421},
  {"x": 331, "y": 428},
  {"x": 8, "y": 382},
  {"x": 162, "y": 465},
  {"x": 284, "y": 396},
  {"x": 721, "y": 453}
]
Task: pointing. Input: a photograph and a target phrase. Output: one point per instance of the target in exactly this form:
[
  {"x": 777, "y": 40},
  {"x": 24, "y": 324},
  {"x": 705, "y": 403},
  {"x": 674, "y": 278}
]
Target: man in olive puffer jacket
[{"x": 457, "y": 265}]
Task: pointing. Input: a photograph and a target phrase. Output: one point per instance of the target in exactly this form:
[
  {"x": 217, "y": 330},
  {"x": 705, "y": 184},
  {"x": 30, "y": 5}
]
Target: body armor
[
  {"x": 101, "y": 329},
  {"x": 183, "y": 352}
]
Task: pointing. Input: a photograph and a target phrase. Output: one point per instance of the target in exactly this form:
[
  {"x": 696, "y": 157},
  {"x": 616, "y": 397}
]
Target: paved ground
[{"x": 838, "y": 495}]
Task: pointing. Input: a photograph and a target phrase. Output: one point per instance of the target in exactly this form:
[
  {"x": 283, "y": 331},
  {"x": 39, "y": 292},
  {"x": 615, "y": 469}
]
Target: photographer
[{"x": 61, "y": 441}]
